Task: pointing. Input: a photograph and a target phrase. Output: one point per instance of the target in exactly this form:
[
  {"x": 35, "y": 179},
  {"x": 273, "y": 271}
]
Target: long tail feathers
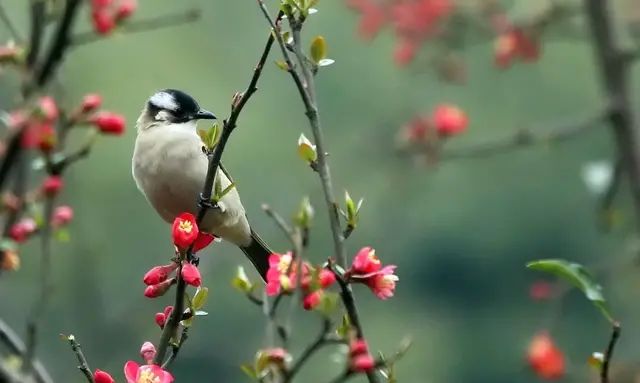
[{"x": 258, "y": 253}]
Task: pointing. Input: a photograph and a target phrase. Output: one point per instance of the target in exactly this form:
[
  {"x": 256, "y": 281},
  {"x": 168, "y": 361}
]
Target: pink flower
[
  {"x": 62, "y": 215},
  {"x": 48, "y": 109},
  {"x": 383, "y": 282},
  {"x": 277, "y": 277},
  {"x": 22, "y": 230},
  {"x": 360, "y": 360},
  {"x": 91, "y": 102},
  {"x": 310, "y": 301},
  {"x": 365, "y": 261},
  {"x": 161, "y": 318},
  {"x": 52, "y": 185},
  {"x": 146, "y": 374},
  {"x": 203, "y": 240},
  {"x": 159, "y": 274},
  {"x": 148, "y": 352},
  {"x": 449, "y": 120},
  {"x": 102, "y": 377},
  {"x": 327, "y": 278},
  {"x": 191, "y": 275}
]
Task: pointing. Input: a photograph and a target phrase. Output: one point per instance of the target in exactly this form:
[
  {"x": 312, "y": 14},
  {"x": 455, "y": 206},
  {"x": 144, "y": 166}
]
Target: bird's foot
[
  {"x": 193, "y": 259},
  {"x": 204, "y": 203}
]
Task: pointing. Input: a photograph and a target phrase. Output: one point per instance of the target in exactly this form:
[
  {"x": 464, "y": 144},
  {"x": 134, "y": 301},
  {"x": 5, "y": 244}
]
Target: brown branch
[
  {"x": 615, "y": 334},
  {"x": 38, "y": 8},
  {"x": 84, "y": 365},
  {"x": 324, "y": 338},
  {"x": 176, "y": 348},
  {"x": 204, "y": 201},
  {"x": 615, "y": 73},
  {"x": 137, "y": 26}
]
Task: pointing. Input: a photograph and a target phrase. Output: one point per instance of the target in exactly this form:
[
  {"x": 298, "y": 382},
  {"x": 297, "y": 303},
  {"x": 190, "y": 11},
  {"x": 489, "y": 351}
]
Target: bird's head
[{"x": 169, "y": 107}]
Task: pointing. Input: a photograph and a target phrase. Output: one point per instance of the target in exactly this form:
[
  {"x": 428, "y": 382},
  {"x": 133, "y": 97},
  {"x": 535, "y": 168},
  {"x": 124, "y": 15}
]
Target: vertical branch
[
  {"x": 614, "y": 68},
  {"x": 38, "y": 8},
  {"x": 615, "y": 334}
]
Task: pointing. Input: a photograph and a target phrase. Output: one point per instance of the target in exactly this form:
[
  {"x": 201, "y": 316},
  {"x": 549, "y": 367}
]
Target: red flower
[
  {"x": 383, "y": 282},
  {"x": 373, "y": 16},
  {"x": 449, "y": 120},
  {"x": 365, "y": 261},
  {"x": 136, "y": 373},
  {"x": 360, "y": 360},
  {"x": 100, "y": 3},
  {"x": 540, "y": 290},
  {"x": 22, "y": 230},
  {"x": 312, "y": 300},
  {"x": 405, "y": 51},
  {"x": 126, "y": 9},
  {"x": 161, "y": 318},
  {"x": 515, "y": 43},
  {"x": 327, "y": 278},
  {"x": 103, "y": 21},
  {"x": 62, "y": 215},
  {"x": 546, "y": 360},
  {"x": 47, "y": 108},
  {"x": 203, "y": 240},
  {"x": 159, "y": 274},
  {"x": 109, "y": 123},
  {"x": 159, "y": 289},
  {"x": 102, "y": 377},
  {"x": 46, "y": 137},
  {"x": 148, "y": 352},
  {"x": 191, "y": 274},
  {"x": 184, "y": 231},
  {"x": 91, "y": 102},
  {"x": 52, "y": 185},
  {"x": 277, "y": 277}
]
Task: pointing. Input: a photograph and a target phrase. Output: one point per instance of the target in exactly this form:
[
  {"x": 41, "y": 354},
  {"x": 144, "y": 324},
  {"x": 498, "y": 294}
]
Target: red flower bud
[
  {"x": 52, "y": 185},
  {"x": 62, "y": 215},
  {"x": 360, "y": 359},
  {"x": 327, "y": 278},
  {"x": 91, "y": 102},
  {"x": 159, "y": 289},
  {"x": 159, "y": 274},
  {"x": 103, "y": 22},
  {"x": 148, "y": 352},
  {"x": 22, "y": 230},
  {"x": 109, "y": 123},
  {"x": 449, "y": 120},
  {"x": 191, "y": 275},
  {"x": 184, "y": 230},
  {"x": 358, "y": 346},
  {"x": 48, "y": 109},
  {"x": 546, "y": 360},
  {"x": 310, "y": 301},
  {"x": 102, "y": 377},
  {"x": 96, "y": 4},
  {"x": 46, "y": 136},
  {"x": 160, "y": 319},
  {"x": 126, "y": 9}
]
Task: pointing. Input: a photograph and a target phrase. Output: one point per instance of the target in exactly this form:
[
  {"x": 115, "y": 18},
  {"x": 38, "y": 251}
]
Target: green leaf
[
  {"x": 282, "y": 65},
  {"x": 305, "y": 214},
  {"x": 62, "y": 235},
  {"x": 226, "y": 190},
  {"x": 306, "y": 150},
  {"x": 578, "y": 276},
  {"x": 318, "y": 49},
  {"x": 328, "y": 303},
  {"x": 200, "y": 298},
  {"x": 249, "y": 371},
  {"x": 345, "y": 327},
  {"x": 241, "y": 281}
]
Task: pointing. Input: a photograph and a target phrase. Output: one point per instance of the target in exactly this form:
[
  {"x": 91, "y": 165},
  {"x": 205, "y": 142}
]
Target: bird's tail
[{"x": 258, "y": 253}]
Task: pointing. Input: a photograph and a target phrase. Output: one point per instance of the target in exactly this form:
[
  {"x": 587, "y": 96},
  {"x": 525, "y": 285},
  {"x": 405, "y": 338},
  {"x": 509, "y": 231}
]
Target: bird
[{"x": 169, "y": 167}]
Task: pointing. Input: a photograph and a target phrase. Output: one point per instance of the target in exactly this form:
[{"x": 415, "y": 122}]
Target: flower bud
[
  {"x": 52, "y": 185},
  {"x": 103, "y": 21},
  {"x": 91, "y": 102},
  {"x": 159, "y": 274},
  {"x": 148, "y": 352},
  {"x": 102, "y": 377},
  {"x": 109, "y": 123},
  {"x": 449, "y": 120},
  {"x": 159, "y": 289},
  {"x": 22, "y": 230},
  {"x": 191, "y": 275},
  {"x": 310, "y": 301},
  {"x": 306, "y": 150},
  {"x": 126, "y": 9},
  {"x": 47, "y": 108},
  {"x": 160, "y": 319},
  {"x": 62, "y": 215},
  {"x": 9, "y": 260},
  {"x": 362, "y": 363},
  {"x": 327, "y": 278}
]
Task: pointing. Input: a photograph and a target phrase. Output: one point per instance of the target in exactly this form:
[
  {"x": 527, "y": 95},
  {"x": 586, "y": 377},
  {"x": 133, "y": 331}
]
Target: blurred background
[{"x": 460, "y": 232}]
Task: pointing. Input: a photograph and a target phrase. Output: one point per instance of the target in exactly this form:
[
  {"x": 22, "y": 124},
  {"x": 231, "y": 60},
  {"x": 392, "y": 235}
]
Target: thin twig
[
  {"x": 615, "y": 334},
  {"x": 137, "y": 26},
  {"x": 204, "y": 202},
  {"x": 38, "y": 8},
  {"x": 84, "y": 365},
  {"x": 282, "y": 224},
  {"x": 321, "y": 340}
]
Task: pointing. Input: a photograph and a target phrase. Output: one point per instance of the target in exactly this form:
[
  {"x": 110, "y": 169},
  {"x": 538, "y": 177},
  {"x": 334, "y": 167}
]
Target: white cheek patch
[
  {"x": 164, "y": 100},
  {"x": 162, "y": 115}
]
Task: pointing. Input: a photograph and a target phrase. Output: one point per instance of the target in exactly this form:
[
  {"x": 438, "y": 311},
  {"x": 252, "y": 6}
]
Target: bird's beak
[{"x": 204, "y": 115}]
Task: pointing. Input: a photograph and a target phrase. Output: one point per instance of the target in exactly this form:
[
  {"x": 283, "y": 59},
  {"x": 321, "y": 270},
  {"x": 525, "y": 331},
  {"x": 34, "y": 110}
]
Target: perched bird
[{"x": 170, "y": 168}]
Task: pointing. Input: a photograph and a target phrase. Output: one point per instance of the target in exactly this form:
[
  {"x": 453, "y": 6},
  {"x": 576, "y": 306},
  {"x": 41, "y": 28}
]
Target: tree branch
[
  {"x": 4, "y": 16},
  {"x": 615, "y": 334},
  {"x": 321, "y": 340},
  {"x": 38, "y": 8},
  {"x": 204, "y": 203},
  {"x": 16, "y": 346},
  {"x": 84, "y": 365},
  {"x": 137, "y": 26}
]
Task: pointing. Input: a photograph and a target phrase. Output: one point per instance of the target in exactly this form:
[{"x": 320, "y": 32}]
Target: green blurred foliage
[{"x": 460, "y": 234}]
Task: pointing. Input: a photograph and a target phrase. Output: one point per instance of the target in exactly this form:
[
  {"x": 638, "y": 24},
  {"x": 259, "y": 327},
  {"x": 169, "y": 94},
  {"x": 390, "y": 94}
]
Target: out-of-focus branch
[
  {"x": 9, "y": 338},
  {"x": 171, "y": 327},
  {"x": 615, "y": 71},
  {"x": 324, "y": 338},
  {"x": 84, "y": 365},
  {"x": 615, "y": 334},
  {"x": 6, "y": 20},
  {"x": 38, "y": 8},
  {"x": 137, "y": 26},
  {"x": 522, "y": 138}
]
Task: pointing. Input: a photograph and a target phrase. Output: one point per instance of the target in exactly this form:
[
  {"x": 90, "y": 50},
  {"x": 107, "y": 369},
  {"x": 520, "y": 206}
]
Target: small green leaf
[
  {"x": 578, "y": 276},
  {"x": 306, "y": 150},
  {"x": 249, "y": 371},
  {"x": 241, "y": 281},
  {"x": 282, "y": 65},
  {"x": 226, "y": 190},
  {"x": 345, "y": 327},
  {"x": 305, "y": 214},
  {"x": 328, "y": 303},
  {"x": 318, "y": 49},
  {"x": 62, "y": 235},
  {"x": 200, "y": 298},
  {"x": 203, "y": 134}
]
